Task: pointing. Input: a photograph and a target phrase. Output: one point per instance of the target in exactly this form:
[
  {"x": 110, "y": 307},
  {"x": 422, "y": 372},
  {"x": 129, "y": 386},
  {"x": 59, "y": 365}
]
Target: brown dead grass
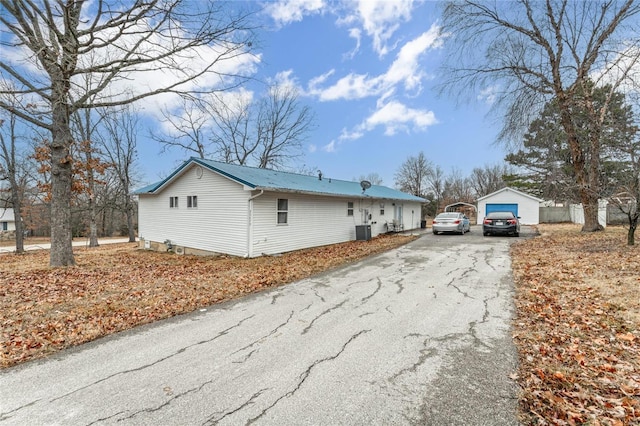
[
  {"x": 578, "y": 327},
  {"x": 118, "y": 286}
]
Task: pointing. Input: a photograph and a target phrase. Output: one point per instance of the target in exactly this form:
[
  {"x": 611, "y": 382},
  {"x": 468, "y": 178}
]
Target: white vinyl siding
[
  {"x": 231, "y": 219},
  {"x": 219, "y": 224}
]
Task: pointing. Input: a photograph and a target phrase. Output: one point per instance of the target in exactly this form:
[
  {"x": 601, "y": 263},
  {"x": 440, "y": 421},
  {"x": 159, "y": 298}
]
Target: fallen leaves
[
  {"x": 578, "y": 327},
  {"x": 117, "y": 287}
]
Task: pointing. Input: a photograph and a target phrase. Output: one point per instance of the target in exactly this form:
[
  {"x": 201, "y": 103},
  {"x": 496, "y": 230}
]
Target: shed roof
[
  {"x": 277, "y": 181},
  {"x": 7, "y": 215},
  {"x": 508, "y": 189}
]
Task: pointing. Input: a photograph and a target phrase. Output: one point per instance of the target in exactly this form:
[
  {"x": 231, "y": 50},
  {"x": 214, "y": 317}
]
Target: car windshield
[
  {"x": 500, "y": 215},
  {"x": 448, "y": 216}
]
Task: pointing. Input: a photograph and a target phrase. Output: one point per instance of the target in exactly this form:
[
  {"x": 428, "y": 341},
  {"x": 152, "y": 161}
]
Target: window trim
[
  {"x": 350, "y": 205},
  {"x": 192, "y": 201},
  {"x": 173, "y": 202},
  {"x": 282, "y": 212}
]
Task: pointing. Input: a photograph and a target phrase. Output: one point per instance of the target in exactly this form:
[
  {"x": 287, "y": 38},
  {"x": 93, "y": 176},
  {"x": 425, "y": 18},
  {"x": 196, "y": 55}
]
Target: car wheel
[
  {"x": 462, "y": 231},
  {"x": 485, "y": 233},
  {"x": 517, "y": 234},
  {"x": 435, "y": 232}
]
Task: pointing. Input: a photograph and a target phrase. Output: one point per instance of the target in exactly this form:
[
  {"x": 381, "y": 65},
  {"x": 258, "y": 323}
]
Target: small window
[
  {"x": 350, "y": 208},
  {"x": 192, "y": 201},
  {"x": 5, "y": 226},
  {"x": 381, "y": 212},
  {"x": 283, "y": 211},
  {"x": 173, "y": 202}
]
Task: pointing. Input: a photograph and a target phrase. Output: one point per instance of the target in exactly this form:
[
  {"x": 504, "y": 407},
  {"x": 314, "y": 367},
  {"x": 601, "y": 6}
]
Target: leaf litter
[
  {"x": 116, "y": 287},
  {"x": 577, "y": 327}
]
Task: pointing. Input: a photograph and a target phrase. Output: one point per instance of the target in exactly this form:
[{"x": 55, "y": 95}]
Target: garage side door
[{"x": 502, "y": 208}]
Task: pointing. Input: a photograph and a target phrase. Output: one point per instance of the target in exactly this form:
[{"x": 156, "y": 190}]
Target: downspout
[{"x": 250, "y": 224}]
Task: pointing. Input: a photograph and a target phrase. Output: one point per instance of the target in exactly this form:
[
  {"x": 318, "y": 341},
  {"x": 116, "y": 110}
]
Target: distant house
[
  {"x": 526, "y": 206},
  {"x": 212, "y": 207},
  {"x": 7, "y": 220}
]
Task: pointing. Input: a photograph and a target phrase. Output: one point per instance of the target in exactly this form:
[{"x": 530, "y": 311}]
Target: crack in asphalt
[
  {"x": 318, "y": 295},
  {"x": 333, "y": 308},
  {"x": 364, "y": 299},
  {"x": 261, "y": 339},
  {"x": 425, "y": 353},
  {"x": 158, "y": 361},
  {"x": 464, "y": 293},
  {"x": 7, "y": 415},
  {"x": 167, "y": 402},
  {"x": 400, "y": 285},
  {"x": 275, "y": 297},
  {"x": 212, "y": 420},
  {"x": 104, "y": 419},
  {"x": 305, "y": 374}
]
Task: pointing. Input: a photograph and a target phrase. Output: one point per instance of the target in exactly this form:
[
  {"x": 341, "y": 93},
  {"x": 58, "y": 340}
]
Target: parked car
[
  {"x": 451, "y": 222},
  {"x": 503, "y": 223}
]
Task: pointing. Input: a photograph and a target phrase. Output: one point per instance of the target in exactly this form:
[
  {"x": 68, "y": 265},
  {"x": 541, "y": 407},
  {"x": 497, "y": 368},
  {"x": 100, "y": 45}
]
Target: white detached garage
[{"x": 525, "y": 206}]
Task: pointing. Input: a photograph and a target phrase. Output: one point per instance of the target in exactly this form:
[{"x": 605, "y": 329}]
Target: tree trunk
[
  {"x": 633, "y": 225},
  {"x": 61, "y": 253},
  {"x": 129, "y": 212},
  {"x": 93, "y": 227},
  {"x": 590, "y": 206},
  {"x": 16, "y": 202},
  {"x": 633, "y": 215}
]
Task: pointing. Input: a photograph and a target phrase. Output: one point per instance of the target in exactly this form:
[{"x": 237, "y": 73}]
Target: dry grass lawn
[
  {"x": 118, "y": 286},
  {"x": 578, "y": 327}
]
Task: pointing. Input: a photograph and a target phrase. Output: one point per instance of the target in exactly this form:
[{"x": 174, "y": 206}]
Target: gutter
[{"x": 250, "y": 224}]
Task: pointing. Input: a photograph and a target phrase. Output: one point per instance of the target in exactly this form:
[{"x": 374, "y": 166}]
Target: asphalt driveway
[{"x": 417, "y": 336}]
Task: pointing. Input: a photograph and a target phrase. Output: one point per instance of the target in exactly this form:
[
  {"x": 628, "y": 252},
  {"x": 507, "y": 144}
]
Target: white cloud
[
  {"x": 351, "y": 86},
  {"x": 395, "y": 117},
  {"x": 330, "y": 147},
  {"x": 351, "y": 134},
  {"x": 312, "y": 148},
  {"x": 405, "y": 70},
  {"x": 380, "y": 20},
  {"x": 285, "y": 12},
  {"x": 356, "y": 34},
  {"x": 489, "y": 94}
]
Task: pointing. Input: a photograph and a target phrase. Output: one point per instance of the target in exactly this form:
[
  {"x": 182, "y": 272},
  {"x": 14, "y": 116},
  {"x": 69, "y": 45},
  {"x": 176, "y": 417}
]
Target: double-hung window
[
  {"x": 283, "y": 211},
  {"x": 173, "y": 202},
  {"x": 350, "y": 208},
  {"x": 192, "y": 201}
]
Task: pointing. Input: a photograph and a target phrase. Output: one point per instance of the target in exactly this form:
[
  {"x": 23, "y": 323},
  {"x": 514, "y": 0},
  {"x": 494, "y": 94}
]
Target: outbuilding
[
  {"x": 526, "y": 206},
  {"x": 7, "y": 220},
  {"x": 212, "y": 207}
]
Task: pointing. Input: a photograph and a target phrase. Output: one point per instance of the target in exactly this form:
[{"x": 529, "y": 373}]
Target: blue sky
[{"x": 368, "y": 70}]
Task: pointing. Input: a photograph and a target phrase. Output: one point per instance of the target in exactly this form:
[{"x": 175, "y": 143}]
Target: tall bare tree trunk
[
  {"x": 61, "y": 179},
  {"x": 129, "y": 212}
]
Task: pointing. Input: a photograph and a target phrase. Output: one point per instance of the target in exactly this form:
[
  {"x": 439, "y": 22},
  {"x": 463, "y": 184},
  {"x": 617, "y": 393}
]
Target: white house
[
  {"x": 7, "y": 220},
  {"x": 208, "y": 206},
  {"x": 526, "y": 206}
]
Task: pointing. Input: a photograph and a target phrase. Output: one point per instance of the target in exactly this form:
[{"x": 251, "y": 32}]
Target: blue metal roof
[{"x": 272, "y": 180}]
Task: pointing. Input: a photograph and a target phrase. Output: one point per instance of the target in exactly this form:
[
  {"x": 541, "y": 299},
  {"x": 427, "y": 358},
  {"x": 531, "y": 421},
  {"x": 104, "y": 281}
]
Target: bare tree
[
  {"x": 436, "y": 182},
  {"x": 412, "y": 177},
  {"x": 458, "y": 188},
  {"x": 187, "y": 128},
  {"x": 374, "y": 178},
  {"x": 236, "y": 136},
  {"x": 283, "y": 124},
  {"x": 119, "y": 142},
  {"x": 488, "y": 179},
  {"x": 533, "y": 51},
  {"x": 13, "y": 169},
  {"x": 185, "y": 42}
]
